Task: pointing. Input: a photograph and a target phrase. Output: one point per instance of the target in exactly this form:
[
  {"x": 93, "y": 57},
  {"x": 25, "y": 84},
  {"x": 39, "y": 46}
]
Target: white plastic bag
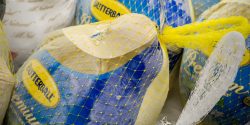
[{"x": 27, "y": 22}]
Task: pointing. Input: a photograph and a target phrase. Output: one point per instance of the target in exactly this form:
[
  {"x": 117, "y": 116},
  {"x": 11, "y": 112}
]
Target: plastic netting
[
  {"x": 162, "y": 12},
  {"x": 176, "y": 13},
  {"x": 97, "y": 10},
  {"x": 208, "y": 33},
  {"x": 72, "y": 79}
]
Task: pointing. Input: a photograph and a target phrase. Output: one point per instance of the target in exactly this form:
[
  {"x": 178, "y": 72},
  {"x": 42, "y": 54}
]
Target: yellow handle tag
[{"x": 204, "y": 35}]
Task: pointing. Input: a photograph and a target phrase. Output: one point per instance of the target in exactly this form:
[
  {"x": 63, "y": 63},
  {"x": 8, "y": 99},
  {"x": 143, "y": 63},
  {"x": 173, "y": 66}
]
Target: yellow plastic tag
[{"x": 204, "y": 36}]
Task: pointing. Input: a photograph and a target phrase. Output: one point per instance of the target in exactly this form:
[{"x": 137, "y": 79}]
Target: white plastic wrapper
[
  {"x": 111, "y": 72},
  {"x": 28, "y": 21}
]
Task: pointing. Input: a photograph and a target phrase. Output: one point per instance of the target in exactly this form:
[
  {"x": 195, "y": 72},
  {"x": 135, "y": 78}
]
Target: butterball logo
[
  {"x": 40, "y": 84},
  {"x": 107, "y": 9}
]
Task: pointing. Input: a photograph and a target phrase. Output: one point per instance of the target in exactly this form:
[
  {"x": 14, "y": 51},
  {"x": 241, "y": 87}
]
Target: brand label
[
  {"x": 107, "y": 9},
  {"x": 40, "y": 84}
]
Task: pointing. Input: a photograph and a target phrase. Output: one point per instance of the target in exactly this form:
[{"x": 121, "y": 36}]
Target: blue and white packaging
[{"x": 111, "y": 72}]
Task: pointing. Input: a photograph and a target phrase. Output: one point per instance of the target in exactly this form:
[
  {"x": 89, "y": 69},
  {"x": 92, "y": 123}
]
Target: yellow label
[
  {"x": 40, "y": 84},
  {"x": 107, "y": 9}
]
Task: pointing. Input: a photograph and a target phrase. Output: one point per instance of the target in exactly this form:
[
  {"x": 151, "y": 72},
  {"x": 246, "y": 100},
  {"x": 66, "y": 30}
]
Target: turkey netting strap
[{"x": 208, "y": 33}]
